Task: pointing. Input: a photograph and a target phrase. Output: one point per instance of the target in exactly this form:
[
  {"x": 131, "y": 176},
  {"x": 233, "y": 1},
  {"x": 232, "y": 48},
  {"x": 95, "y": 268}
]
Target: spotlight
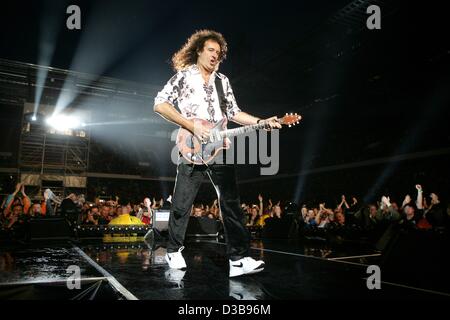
[
  {"x": 33, "y": 118},
  {"x": 63, "y": 122}
]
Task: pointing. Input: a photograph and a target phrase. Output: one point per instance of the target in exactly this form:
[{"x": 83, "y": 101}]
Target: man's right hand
[{"x": 200, "y": 131}]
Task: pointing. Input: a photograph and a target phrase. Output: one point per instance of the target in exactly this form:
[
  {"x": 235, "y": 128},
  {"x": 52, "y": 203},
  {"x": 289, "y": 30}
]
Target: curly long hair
[{"x": 187, "y": 55}]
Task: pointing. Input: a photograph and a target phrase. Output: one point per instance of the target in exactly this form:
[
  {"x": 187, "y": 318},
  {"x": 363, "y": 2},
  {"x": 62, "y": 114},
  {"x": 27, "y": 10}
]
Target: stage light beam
[{"x": 63, "y": 122}]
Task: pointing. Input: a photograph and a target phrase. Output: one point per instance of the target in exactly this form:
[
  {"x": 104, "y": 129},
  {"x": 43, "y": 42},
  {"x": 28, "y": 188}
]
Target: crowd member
[
  {"x": 69, "y": 206},
  {"x": 413, "y": 212},
  {"x": 254, "y": 218},
  {"x": 197, "y": 211},
  {"x": 125, "y": 218},
  {"x": 18, "y": 197},
  {"x": 435, "y": 213},
  {"x": 104, "y": 215},
  {"x": 91, "y": 217},
  {"x": 147, "y": 212},
  {"x": 213, "y": 212},
  {"x": 310, "y": 219},
  {"x": 15, "y": 218},
  {"x": 324, "y": 216}
]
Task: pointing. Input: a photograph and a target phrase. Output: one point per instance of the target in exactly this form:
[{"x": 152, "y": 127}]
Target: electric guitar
[{"x": 202, "y": 152}]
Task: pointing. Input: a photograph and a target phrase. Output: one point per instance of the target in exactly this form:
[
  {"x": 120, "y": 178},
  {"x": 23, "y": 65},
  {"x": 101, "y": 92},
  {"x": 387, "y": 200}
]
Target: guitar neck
[{"x": 241, "y": 130}]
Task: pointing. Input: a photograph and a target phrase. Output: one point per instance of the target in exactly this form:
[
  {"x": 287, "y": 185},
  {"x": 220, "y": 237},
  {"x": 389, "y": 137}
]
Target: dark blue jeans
[{"x": 187, "y": 183}]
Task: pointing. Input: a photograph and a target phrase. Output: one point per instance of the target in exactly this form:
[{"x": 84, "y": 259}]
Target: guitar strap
[
  {"x": 220, "y": 93},
  {"x": 222, "y": 100}
]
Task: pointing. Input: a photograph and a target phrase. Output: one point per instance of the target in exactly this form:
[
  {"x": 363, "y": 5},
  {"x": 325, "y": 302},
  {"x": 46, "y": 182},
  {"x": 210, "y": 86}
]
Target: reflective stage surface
[{"x": 293, "y": 270}]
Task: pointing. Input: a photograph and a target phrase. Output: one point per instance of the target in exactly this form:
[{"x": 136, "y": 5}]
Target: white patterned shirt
[{"x": 188, "y": 92}]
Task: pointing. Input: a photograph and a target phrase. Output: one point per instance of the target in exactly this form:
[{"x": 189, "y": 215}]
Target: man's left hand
[{"x": 272, "y": 123}]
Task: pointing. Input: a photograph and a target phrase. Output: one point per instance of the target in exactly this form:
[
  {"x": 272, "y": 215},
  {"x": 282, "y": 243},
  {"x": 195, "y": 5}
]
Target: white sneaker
[
  {"x": 175, "y": 276},
  {"x": 176, "y": 260},
  {"x": 245, "y": 265}
]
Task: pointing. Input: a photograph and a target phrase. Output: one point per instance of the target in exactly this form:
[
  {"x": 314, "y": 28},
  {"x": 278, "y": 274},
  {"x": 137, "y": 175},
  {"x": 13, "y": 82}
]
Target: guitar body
[{"x": 200, "y": 153}]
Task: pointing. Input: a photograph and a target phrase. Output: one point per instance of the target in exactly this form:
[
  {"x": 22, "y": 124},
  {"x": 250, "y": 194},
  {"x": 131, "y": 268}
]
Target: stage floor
[{"x": 138, "y": 271}]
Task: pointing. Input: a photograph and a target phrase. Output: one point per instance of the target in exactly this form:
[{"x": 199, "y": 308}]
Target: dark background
[{"x": 363, "y": 94}]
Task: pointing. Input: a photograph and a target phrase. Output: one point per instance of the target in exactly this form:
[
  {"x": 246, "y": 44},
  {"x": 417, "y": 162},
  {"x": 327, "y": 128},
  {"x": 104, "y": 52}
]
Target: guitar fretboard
[{"x": 241, "y": 130}]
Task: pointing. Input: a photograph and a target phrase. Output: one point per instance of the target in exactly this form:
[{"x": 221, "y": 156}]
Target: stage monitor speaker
[
  {"x": 203, "y": 226},
  {"x": 283, "y": 228},
  {"x": 161, "y": 220},
  {"x": 417, "y": 258},
  {"x": 49, "y": 228}
]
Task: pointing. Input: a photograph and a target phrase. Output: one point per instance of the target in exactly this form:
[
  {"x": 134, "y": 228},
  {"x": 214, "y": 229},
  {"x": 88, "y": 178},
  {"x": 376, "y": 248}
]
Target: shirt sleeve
[
  {"x": 232, "y": 107},
  {"x": 171, "y": 91}
]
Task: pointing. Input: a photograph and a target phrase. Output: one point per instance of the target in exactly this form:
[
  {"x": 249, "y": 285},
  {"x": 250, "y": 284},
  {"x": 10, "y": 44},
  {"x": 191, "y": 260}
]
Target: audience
[{"x": 18, "y": 209}]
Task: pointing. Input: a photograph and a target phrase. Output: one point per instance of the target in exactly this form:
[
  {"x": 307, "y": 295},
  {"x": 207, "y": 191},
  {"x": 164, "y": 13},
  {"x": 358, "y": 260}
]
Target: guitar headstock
[{"x": 290, "y": 119}]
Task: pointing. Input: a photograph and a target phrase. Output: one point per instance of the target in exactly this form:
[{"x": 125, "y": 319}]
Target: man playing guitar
[{"x": 194, "y": 92}]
